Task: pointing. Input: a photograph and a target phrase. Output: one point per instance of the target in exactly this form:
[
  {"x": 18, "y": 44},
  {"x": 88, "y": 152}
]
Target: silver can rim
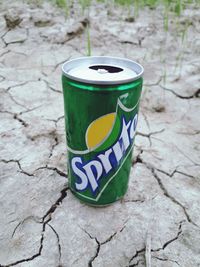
[{"x": 136, "y": 67}]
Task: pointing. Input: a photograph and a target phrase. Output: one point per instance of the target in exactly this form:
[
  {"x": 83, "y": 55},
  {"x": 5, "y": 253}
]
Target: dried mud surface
[{"x": 41, "y": 223}]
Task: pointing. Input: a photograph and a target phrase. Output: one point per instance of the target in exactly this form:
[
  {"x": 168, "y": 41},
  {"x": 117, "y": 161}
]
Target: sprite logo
[{"x": 109, "y": 140}]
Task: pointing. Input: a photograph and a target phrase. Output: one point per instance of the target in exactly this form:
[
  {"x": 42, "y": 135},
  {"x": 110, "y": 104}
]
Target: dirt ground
[{"x": 41, "y": 223}]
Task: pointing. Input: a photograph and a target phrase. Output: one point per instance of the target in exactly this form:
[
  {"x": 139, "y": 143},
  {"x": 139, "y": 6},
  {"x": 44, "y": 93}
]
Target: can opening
[{"x": 106, "y": 69}]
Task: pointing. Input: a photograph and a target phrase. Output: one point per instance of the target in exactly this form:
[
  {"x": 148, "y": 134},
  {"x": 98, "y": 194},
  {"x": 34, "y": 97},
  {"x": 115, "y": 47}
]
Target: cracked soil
[{"x": 41, "y": 223}]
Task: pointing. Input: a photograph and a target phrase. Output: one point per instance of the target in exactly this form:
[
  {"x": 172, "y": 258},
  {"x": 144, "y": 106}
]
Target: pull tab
[{"x": 105, "y": 69}]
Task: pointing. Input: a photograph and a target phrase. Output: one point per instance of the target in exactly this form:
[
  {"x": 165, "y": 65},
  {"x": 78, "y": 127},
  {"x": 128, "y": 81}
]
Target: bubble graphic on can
[{"x": 101, "y": 97}]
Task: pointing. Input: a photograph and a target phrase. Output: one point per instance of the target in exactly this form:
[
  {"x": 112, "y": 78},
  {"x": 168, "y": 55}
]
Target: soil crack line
[
  {"x": 16, "y": 117},
  {"x": 166, "y": 193},
  {"x": 150, "y": 134},
  {"x": 37, "y": 220},
  {"x": 18, "y": 85},
  {"x": 58, "y": 241},
  {"x": 14, "y": 42},
  {"x": 138, "y": 158},
  {"x": 32, "y": 257},
  {"x": 174, "y": 172},
  {"x": 169, "y": 196},
  {"x": 50, "y": 86},
  {"x": 195, "y": 95},
  {"x": 138, "y": 252},
  {"x": 15, "y": 101},
  {"x": 51, "y": 210},
  {"x": 44, "y": 222},
  {"x": 161, "y": 259},
  {"x": 99, "y": 244},
  {"x": 135, "y": 264},
  {"x": 54, "y": 145},
  {"x": 186, "y": 156},
  {"x": 171, "y": 240},
  {"x": 4, "y": 53},
  {"x": 19, "y": 165},
  {"x": 59, "y": 172},
  {"x": 2, "y": 38}
]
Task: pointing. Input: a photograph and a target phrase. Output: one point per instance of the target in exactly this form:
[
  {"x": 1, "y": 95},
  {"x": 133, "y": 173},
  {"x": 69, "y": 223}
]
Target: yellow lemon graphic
[{"x": 99, "y": 130}]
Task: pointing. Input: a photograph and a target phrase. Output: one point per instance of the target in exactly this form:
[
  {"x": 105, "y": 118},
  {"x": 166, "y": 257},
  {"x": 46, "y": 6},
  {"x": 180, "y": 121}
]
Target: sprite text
[{"x": 89, "y": 174}]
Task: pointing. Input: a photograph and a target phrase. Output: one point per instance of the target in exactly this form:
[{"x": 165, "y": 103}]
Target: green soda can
[{"x": 101, "y": 101}]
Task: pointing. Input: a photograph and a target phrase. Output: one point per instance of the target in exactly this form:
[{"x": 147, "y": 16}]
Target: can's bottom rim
[{"x": 95, "y": 205}]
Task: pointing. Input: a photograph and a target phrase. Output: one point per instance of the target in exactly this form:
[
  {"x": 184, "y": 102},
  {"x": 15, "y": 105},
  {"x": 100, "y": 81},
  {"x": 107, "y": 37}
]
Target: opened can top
[{"x": 102, "y": 70}]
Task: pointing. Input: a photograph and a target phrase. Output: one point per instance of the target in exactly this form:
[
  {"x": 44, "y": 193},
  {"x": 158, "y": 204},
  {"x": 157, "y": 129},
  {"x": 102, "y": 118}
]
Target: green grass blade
[{"x": 88, "y": 41}]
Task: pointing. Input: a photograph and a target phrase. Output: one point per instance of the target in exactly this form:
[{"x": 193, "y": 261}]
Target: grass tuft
[
  {"x": 61, "y": 3},
  {"x": 88, "y": 52}
]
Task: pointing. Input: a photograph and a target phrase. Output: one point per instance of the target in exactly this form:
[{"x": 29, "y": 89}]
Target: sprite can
[{"x": 101, "y": 101}]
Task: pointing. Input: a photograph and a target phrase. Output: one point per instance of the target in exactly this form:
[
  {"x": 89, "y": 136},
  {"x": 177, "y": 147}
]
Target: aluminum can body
[{"x": 100, "y": 121}]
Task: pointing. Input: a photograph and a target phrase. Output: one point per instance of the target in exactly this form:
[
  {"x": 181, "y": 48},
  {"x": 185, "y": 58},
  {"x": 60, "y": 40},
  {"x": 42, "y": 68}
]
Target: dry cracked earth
[{"x": 41, "y": 223}]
